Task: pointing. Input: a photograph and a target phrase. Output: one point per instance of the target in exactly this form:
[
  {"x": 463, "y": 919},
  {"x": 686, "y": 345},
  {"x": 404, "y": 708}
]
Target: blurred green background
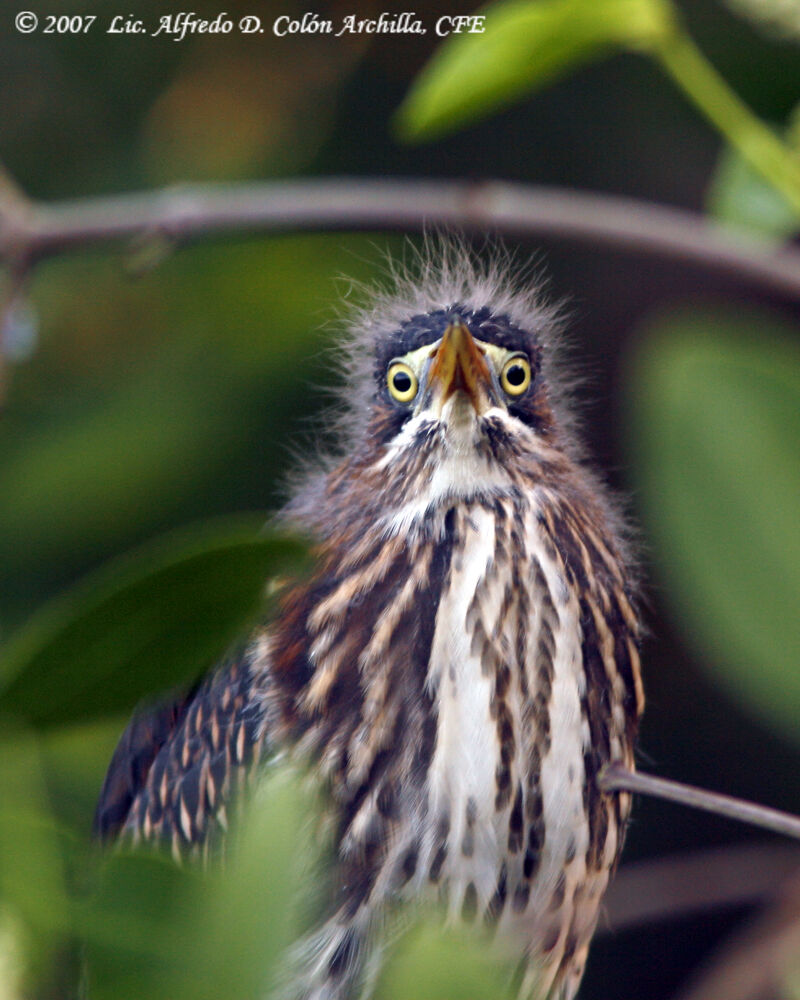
[{"x": 158, "y": 397}]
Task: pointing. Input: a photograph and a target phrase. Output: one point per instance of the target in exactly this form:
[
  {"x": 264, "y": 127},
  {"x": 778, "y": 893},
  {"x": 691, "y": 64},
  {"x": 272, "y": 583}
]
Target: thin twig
[
  {"x": 695, "y": 881},
  {"x": 615, "y": 777},
  {"x": 182, "y": 213},
  {"x": 10, "y": 192},
  {"x": 15, "y": 207}
]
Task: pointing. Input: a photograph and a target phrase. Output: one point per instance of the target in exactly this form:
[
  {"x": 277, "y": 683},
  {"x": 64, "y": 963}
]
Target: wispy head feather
[{"x": 442, "y": 272}]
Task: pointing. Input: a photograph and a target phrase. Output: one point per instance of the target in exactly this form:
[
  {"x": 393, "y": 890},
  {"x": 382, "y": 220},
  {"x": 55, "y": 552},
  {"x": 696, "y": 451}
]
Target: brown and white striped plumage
[{"x": 461, "y": 664}]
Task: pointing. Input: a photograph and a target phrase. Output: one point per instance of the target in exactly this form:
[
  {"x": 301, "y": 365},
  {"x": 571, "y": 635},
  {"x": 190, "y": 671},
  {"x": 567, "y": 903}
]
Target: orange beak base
[{"x": 459, "y": 364}]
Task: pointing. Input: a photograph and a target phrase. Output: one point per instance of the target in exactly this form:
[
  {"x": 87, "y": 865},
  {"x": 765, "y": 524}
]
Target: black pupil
[
  {"x": 515, "y": 375},
  {"x": 402, "y": 382}
]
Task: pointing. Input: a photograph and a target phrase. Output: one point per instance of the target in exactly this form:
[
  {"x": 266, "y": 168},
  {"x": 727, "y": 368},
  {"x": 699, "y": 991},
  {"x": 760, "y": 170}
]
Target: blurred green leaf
[
  {"x": 74, "y": 761},
  {"x": 31, "y": 876},
  {"x": 34, "y": 915},
  {"x": 716, "y": 421},
  {"x": 157, "y": 401},
  {"x": 12, "y": 954},
  {"x": 154, "y": 930},
  {"x": 146, "y": 622},
  {"x": 140, "y": 927},
  {"x": 741, "y": 197},
  {"x": 526, "y": 44},
  {"x": 98, "y": 462},
  {"x": 774, "y": 17},
  {"x": 256, "y": 901},
  {"x": 432, "y": 963}
]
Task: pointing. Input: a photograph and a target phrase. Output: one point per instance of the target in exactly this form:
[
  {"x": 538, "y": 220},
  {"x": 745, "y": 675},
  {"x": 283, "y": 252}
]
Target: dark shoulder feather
[
  {"x": 150, "y": 728},
  {"x": 178, "y": 765}
]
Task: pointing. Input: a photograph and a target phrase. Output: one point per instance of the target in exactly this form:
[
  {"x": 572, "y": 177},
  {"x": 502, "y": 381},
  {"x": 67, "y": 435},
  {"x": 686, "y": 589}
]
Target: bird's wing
[{"x": 178, "y": 765}]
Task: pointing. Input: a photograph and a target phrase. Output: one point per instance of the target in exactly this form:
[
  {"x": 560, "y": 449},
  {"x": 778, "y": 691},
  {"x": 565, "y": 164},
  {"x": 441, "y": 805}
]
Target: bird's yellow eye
[
  {"x": 402, "y": 382},
  {"x": 516, "y": 375}
]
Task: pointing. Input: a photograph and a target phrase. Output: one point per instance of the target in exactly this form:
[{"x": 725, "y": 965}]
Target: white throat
[{"x": 458, "y": 467}]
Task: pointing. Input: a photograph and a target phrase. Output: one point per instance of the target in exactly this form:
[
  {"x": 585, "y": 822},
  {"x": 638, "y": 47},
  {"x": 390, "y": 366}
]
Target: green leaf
[
  {"x": 31, "y": 875},
  {"x": 436, "y": 964},
  {"x": 93, "y": 465},
  {"x": 12, "y": 954},
  {"x": 147, "y": 622},
  {"x": 775, "y": 18},
  {"x": 34, "y": 912},
  {"x": 741, "y": 197},
  {"x": 154, "y": 930},
  {"x": 257, "y": 899},
  {"x": 716, "y": 418},
  {"x": 151, "y": 409},
  {"x": 75, "y": 760},
  {"x": 140, "y": 927},
  {"x": 526, "y": 44}
]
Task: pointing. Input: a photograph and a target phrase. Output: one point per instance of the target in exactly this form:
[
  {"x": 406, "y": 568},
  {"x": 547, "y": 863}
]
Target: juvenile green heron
[{"x": 459, "y": 667}]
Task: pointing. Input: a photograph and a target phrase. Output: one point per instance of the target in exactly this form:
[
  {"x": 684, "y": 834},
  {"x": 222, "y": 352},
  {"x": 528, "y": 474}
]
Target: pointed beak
[{"x": 459, "y": 365}]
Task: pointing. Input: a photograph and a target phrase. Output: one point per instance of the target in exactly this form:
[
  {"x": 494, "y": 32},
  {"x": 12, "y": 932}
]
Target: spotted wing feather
[{"x": 178, "y": 766}]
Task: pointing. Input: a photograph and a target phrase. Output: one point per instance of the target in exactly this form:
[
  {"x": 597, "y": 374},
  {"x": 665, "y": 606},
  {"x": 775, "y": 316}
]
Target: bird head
[
  {"x": 445, "y": 398},
  {"x": 460, "y": 375},
  {"x": 459, "y": 382},
  {"x": 458, "y": 409}
]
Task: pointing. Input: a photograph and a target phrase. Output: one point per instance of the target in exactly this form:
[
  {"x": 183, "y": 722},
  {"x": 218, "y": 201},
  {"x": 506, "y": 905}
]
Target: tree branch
[
  {"x": 616, "y": 777},
  {"x": 31, "y": 231},
  {"x": 14, "y": 209},
  {"x": 665, "y": 888}
]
